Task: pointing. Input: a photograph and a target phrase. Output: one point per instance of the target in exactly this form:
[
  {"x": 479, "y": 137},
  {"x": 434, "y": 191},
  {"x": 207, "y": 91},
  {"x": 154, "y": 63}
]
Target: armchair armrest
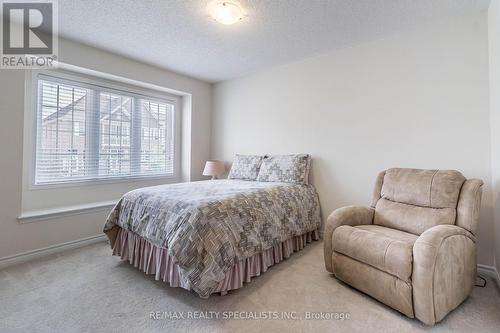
[
  {"x": 444, "y": 269},
  {"x": 350, "y": 215}
]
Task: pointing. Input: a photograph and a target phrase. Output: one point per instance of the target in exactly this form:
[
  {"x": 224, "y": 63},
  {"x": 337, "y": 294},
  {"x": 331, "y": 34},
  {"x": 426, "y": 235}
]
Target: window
[{"x": 87, "y": 132}]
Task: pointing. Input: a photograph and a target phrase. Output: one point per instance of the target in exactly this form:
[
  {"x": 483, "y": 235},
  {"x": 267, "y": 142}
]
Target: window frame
[{"x": 106, "y": 85}]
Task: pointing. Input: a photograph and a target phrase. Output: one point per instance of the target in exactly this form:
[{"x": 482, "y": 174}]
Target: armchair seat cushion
[{"x": 388, "y": 250}]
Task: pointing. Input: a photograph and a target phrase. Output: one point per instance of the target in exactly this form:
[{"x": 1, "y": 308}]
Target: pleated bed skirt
[{"x": 152, "y": 259}]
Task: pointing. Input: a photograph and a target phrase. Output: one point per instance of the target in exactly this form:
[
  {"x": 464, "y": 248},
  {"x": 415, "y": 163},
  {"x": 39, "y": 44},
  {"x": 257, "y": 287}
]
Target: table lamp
[{"x": 213, "y": 168}]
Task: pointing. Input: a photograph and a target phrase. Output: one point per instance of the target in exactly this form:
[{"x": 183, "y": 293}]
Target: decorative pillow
[
  {"x": 245, "y": 167},
  {"x": 292, "y": 168}
]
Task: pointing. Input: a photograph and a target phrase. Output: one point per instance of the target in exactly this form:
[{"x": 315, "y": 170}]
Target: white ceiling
[{"x": 180, "y": 36}]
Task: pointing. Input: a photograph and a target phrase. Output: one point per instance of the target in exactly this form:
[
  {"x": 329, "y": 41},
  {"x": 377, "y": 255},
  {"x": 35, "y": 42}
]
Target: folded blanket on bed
[{"x": 208, "y": 226}]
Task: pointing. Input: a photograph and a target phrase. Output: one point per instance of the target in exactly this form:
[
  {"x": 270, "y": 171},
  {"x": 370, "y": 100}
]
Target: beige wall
[
  {"x": 15, "y": 237},
  {"x": 418, "y": 99},
  {"x": 494, "y": 56},
  {"x": 415, "y": 99}
]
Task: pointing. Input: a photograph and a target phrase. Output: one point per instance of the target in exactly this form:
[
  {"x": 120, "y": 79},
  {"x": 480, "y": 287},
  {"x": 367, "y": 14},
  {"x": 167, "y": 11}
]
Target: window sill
[
  {"x": 52, "y": 213},
  {"x": 168, "y": 179}
]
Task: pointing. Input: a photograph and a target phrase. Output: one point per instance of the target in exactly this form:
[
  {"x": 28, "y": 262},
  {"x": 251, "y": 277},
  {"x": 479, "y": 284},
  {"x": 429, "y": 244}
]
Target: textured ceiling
[{"x": 180, "y": 36}]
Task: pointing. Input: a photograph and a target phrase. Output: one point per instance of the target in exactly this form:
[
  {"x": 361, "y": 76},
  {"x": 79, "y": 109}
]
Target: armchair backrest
[{"x": 414, "y": 200}]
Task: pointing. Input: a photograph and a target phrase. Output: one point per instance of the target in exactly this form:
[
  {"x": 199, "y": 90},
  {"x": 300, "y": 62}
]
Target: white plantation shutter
[{"x": 87, "y": 131}]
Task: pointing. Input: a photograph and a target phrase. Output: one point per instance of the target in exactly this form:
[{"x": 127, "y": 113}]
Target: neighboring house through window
[{"x": 94, "y": 131}]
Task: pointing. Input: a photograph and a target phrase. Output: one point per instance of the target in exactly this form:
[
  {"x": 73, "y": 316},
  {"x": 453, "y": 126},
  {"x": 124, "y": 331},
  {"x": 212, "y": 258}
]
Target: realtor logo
[{"x": 29, "y": 34}]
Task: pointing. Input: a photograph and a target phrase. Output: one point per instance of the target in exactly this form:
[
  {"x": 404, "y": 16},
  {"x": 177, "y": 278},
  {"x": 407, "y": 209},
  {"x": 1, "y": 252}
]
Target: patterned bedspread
[{"x": 208, "y": 226}]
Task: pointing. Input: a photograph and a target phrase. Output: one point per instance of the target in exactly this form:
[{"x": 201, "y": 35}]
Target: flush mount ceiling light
[{"x": 226, "y": 12}]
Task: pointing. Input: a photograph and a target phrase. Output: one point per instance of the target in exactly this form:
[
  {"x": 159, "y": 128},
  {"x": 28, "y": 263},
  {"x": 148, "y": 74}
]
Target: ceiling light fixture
[{"x": 226, "y": 12}]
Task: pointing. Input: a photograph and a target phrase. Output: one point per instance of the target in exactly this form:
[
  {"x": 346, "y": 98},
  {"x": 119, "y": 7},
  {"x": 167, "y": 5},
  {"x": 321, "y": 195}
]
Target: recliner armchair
[{"x": 414, "y": 249}]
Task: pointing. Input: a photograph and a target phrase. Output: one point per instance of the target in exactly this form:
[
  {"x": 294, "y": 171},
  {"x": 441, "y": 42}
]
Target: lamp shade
[{"x": 213, "y": 168}]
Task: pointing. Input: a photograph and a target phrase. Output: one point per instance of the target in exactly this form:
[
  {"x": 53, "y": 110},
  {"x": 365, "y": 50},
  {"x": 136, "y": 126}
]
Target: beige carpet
[{"x": 88, "y": 290}]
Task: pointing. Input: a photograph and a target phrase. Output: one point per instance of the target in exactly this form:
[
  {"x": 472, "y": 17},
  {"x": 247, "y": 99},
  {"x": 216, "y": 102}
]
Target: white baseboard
[
  {"x": 489, "y": 271},
  {"x": 35, "y": 254}
]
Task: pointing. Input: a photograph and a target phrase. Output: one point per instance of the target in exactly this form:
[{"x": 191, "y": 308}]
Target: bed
[{"x": 212, "y": 236}]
